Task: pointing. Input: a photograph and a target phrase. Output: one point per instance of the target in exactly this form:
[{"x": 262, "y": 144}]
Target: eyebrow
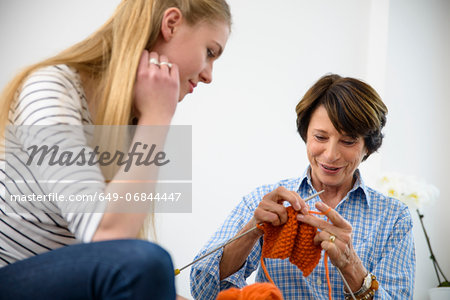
[
  {"x": 319, "y": 130},
  {"x": 344, "y": 135}
]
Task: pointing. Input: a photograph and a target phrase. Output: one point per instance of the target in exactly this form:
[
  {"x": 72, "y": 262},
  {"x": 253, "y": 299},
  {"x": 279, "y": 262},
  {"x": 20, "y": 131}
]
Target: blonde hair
[
  {"x": 111, "y": 54},
  {"x": 135, "y": 26}
]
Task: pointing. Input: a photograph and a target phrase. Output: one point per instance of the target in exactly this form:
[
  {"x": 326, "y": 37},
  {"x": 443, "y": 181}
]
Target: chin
[{"x": 329, "y": 180}]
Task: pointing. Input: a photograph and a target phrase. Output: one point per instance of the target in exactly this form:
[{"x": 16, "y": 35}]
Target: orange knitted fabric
[
  {"x": 256, "y": 291},
  {"x": 293, "y": 240}
]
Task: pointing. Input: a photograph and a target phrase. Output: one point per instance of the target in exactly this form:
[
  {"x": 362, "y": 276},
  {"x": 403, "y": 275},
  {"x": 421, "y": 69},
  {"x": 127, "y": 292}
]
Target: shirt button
[
  {"x": 310, "y": 192},
  {"x": 319, "y": 282}
]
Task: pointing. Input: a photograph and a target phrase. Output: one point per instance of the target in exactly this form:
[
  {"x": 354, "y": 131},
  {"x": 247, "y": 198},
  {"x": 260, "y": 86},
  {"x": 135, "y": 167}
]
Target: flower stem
[{"x": 436, "y": 266}]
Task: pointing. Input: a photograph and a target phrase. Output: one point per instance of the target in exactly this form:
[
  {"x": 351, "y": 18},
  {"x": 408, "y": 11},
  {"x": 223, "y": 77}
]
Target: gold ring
[{"x": 332, "y": 238}]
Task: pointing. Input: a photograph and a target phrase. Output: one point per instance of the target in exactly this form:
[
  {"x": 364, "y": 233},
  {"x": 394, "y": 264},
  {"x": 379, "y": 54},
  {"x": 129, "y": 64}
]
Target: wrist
[
  {"x": 257, "y": 233},
  {"x": 354, "y": 273},
  {"x": 154, "y": 120},
  {"x": 367, "y": 290}
]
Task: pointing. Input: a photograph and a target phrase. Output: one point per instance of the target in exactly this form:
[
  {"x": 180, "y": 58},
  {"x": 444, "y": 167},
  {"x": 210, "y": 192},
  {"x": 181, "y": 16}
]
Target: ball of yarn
[
  {"x": 256, "y": 291},
  {"x": 229, "y": 294}
]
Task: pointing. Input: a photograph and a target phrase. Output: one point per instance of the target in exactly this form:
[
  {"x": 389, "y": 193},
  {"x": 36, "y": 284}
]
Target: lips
[
  {"x": 192, "y": 86},
  {"x": 330, "y": 169}
]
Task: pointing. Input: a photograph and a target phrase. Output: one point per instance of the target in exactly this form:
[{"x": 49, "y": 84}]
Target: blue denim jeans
[{"x": 120, "y": 269}]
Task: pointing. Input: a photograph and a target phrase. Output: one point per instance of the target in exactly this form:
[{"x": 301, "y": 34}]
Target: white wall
[
  {"x": 418, "y": 140},
  {"x": 244, "y": 123}
]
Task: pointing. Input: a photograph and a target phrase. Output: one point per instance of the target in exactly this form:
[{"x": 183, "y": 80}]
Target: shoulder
[
  {"x": 50, "y": 91},
  {"x": 380, "y": 200},
  {"x": 388, "y": 208},
  {"x": 54, "y": 78}
]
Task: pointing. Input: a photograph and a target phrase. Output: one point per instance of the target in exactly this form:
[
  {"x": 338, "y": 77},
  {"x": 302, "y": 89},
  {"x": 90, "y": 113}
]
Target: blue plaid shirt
[{"x": 382, "y": 238}]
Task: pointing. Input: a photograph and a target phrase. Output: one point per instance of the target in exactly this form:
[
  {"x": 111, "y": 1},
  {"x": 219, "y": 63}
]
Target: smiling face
[
  {"x": 333, "y": 156},
  {"x": 194, "y": 49}
]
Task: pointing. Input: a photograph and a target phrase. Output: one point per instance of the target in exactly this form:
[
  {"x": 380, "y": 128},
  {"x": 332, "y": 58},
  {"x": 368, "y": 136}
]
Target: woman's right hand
[
  {"x": 156, "y": 89},
  {"x": 271, "y": 209}
]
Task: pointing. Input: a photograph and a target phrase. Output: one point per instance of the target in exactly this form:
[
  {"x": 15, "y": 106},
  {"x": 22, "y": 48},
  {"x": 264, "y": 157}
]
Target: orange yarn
[
  {"x": 296, "y": 241},
  {"x": 256, "y": 291},
  {"x": 293, "y": 241}
]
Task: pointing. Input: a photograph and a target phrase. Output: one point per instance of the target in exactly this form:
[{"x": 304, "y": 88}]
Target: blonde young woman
[{"x": 134, "y": 69}]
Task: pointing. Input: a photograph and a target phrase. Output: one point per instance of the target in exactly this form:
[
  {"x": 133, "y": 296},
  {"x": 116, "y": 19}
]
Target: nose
[
  {"x": 206, "y": 73},
  {"x": 331, "y": 153}
]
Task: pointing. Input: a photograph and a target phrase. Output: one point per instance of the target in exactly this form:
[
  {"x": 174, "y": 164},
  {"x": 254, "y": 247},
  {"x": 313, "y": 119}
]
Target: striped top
[{"x": 50, "y": 108}]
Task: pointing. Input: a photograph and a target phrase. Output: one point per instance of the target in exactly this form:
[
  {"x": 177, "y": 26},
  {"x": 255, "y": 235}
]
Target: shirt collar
[{"x": 358, "y": 187}]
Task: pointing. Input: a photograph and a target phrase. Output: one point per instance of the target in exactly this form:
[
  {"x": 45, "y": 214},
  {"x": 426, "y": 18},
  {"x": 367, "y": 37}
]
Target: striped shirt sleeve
[{"x": 49, "y": 112}]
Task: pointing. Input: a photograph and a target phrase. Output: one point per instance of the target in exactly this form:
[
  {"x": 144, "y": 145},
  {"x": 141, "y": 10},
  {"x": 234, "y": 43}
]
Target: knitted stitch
[
  {"x": 256, "y": 291},
  {"x": 293, "y": 240}
]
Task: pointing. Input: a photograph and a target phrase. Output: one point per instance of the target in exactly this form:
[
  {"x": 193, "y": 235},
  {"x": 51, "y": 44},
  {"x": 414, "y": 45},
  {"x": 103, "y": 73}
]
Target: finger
[
  {"x": 333, "y": 215},
  {"x": 304, "y": 208},
  {"x": 262, "y": 215},
  {"x": 153, "y": 61},
  {"x": 164, "y": 63},
  {"x": 334, "y": 250},
  {"x": 317, "y": 222},
  {"x": 326, "y": 236},
  {"x": 330, "y": 248},
  {"x": 143, "y": 61},
  {"x": 328, "y": 241},
  {"x": 281, "y": 194},
  {"x": 275, "y": 208}
]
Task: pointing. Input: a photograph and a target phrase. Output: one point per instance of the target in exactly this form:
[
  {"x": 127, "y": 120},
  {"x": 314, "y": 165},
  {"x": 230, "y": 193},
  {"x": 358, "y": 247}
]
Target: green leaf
[{"x": 444, "y": 284}]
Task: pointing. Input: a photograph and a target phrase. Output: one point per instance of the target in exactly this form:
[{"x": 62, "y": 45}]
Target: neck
[{"x": 332, "y": 195}]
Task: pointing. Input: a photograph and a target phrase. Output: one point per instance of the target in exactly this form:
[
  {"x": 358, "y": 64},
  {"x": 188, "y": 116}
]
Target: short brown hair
[{"x": 353, "y": 107}]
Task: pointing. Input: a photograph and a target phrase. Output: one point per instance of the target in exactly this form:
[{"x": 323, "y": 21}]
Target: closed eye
[
  {"x": 349, "y": 143},
  {"x": 211, "y": 53},
  {"x": 320, "y": 138}
]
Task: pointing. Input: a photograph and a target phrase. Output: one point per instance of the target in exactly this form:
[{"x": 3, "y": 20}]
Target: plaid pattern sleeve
[
  {"x": 205, "y": 283},
  {"x": 395, "y": 265},
  {"x": 382, "y": 238}
]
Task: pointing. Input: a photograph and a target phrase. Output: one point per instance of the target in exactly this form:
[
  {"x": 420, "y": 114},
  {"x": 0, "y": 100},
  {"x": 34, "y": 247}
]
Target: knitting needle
[
  {"x": 346, "y": 283},
  {"x": 177, "y": 271}
]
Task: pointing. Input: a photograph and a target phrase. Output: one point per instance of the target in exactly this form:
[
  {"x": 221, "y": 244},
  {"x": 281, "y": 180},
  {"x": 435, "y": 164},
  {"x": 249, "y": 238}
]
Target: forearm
[
  {"x": 354, "y": 273},
  {"x": 235, "y": 254},
  {"x": 123, "y": 219}
]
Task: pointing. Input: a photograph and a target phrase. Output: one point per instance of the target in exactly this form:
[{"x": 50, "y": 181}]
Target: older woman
[{"x": 368, "y": 236}]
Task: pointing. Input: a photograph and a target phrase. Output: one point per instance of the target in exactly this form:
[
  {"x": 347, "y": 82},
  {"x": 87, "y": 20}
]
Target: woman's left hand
[
  {"x": 335, "y": 237},
  {"x": 157, "y": 88}
]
